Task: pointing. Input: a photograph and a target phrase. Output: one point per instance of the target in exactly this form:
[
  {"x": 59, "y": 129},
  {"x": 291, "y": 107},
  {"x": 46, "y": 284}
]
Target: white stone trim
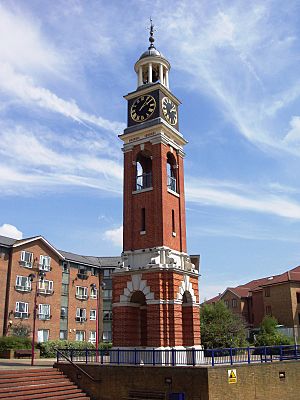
[
  {"x": 186, "y": 286},
  {"x": 136, "y": 284}
]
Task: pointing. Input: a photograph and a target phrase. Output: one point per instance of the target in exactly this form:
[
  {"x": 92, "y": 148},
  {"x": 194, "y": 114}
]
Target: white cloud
[
  {"x": 115, "y": 236},
  {"x": 241, "y": 198},
  {"x": 10, "y": 231},
  {"x": 293, "y": 135}
]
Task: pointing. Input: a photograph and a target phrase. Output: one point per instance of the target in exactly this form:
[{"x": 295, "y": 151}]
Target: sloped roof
[{"x": 6, "y": 241}]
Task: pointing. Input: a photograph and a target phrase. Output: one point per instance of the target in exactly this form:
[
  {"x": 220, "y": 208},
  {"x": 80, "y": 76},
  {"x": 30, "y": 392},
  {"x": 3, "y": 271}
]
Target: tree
[
  {"x": 21, "y": 330},
  {"x": 269, "y": 336},
  {"x": 220, "y": 327}
]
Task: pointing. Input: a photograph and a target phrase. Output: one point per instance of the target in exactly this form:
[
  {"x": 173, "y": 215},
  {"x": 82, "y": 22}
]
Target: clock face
[
  {"x": 169, "y": 111},
  {"x": 142, "y": 108}
]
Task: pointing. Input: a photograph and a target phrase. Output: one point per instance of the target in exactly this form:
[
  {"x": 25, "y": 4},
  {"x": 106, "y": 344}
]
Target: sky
[{"x": 65, "y": 66}]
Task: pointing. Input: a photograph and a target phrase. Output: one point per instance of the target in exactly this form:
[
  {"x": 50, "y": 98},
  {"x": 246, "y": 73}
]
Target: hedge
[
  {"x": 14, "y": 342},
  {"x": 48, "y": 349}
]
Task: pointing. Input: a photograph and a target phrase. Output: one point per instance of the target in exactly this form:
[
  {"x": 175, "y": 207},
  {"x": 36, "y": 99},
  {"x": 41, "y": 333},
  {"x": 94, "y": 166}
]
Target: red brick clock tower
[{"x": 155, "y": 294}]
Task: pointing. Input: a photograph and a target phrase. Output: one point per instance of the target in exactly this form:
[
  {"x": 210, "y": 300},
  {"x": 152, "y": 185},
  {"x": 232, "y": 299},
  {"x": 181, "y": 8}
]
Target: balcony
[
  {"x": 82, "y": 275},
  {"x": 25, "y": 264},
  {"x": 80, "y": 319},
  {"x": 81, "y": 296},
  {"x": 45, "y": 291},
  {"x": 21, "y": 288},
  {"x": 44, "y": 317},
  {"x": 144, "y": 181},
  {"x": 21, "y": 314},
  {"x": 172, "y": 184},
  {"x": 43, "y": 267}
]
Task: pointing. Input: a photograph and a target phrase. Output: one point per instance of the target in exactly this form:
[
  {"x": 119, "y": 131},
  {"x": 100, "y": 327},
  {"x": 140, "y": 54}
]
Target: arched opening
[
  {"x": 171, "y": 172},
  {"x": 187, "y": 320},
  {"x": 139, "y": 299},
  {"x": 143, "y": 170}
]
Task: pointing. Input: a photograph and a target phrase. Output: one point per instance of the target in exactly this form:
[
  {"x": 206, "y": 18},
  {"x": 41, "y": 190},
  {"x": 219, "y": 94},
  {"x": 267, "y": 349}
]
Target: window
[
  {"x": 267, "y": 292},
  {"x": 143, "y": 220},
  {"x": 43, "y": 335},
  {"x": 45, "y": 262},
  {"x": 107, "y": 336},
  {"x": 298, "y": 297},
  {"x": 93, "y": 315},
  {"x": 80, "y": 336},
  {"x": 26, "y": 259},
  {"x": 64, "y": 312},
  {"x": 65, "y": 268},
  {"x": 107, "y": 315},
  {"x": 82, "y": 272},
  {"x": 92, "y": 337},
  {"x": 107, "y": 273},
  {"x": 143, "y": 171},
  {"x": 45, "y": 286},
  {"x": 64, "y": 289},
  {"x": 93, "y": 293},
  {"x": 234, "y": 303},
  {"x": 81, "y": 292},
  {"x": 171, "y": 172},
  {"x": 80, "y": 314},
  {"x": 21, "y": 310},
  {"x": 107, "y": 294},
  {"x": 93, "y": 271},
  {"x": 44, "y": 311},
  {"x": 63, "y": 335},
  {"x": 23, "y": 283},
  {"x": 226, "y": 302},
  {"x": 173, "y": 223},
  {"x": 268, "y": 310}
]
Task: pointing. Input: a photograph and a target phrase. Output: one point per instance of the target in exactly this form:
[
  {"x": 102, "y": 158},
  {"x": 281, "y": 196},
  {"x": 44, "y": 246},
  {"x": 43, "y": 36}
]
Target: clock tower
[{"x": 155, "y": 293}]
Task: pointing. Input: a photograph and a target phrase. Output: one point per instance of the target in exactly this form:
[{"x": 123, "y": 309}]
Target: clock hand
[{"x": 145, "y": 103}]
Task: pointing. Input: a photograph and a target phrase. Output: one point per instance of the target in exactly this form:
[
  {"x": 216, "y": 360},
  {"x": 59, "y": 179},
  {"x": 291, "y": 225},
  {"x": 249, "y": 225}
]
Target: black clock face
[
  {"x": 142, "y": 108},
  {"x": 169, "y": 111}
]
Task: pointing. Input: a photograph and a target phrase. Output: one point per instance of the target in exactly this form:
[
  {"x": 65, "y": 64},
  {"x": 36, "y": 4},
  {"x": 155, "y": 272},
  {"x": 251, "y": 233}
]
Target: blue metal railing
[{"x": 188, "y": 357}]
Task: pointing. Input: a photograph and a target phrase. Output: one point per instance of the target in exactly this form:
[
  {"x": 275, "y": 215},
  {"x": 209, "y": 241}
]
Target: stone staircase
[{"x": 40, "y": 383}]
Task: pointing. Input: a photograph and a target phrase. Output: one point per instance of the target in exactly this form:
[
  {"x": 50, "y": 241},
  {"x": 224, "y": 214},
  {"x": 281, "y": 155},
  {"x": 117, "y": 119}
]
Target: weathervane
[{"x": 151, "y": 38}]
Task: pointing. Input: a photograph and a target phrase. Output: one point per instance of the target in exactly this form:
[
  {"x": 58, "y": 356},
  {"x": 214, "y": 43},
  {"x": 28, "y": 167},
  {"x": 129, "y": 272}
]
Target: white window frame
[
  {"x": 81, "y": 296},
  {"x": 80, "y": 314},
  {"x": 79, "y": 332},
  {"x": 93, "y": 293},
  {"x": 19, "y": 286},
  {"x": 44, "y": 316},
  {"x": 26, "y": 264},
  {"x": 47, "y": 335},
  {"x": 45, "y": 263},
  {"x": 92, "y": 337},
  {"x": 93, "y": 315},
  {"x": 42, "y": 287},
  {"x": 24, "y": 314}
]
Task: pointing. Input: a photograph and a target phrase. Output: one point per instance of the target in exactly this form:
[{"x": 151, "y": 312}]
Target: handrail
[{"x": 77, "y": 366}]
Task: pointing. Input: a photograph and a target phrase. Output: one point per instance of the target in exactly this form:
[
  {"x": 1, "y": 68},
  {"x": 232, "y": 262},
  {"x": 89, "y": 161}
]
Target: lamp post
[
  {"x": 41, "y": 275},
  {"x": 99, "y": 303}
]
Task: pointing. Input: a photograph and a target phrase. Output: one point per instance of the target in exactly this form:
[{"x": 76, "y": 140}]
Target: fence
[{"x": 187, "y": 357}]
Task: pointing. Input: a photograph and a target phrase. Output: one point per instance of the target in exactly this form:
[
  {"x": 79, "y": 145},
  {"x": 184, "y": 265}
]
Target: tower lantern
[{"x": 155, "y": 293}]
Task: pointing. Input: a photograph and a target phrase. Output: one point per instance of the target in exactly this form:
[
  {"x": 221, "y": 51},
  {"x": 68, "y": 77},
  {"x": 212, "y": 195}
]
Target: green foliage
[
  {"x": 48, "y": 349},
  {"x": 221, "y": 328},
  {"x": 21, "y": 330},
  {"x": 14, "y": 342},
  {"x": 269, "y": 336}
]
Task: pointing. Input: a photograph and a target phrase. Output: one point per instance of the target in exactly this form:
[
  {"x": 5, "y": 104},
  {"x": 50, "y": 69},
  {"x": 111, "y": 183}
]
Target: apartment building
[
  {"x": 68, "y": 296},
  {"x": 277, "y": 295}
]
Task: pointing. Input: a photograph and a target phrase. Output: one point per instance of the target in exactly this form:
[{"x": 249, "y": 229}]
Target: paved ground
[{"x": 26, "y": 363}]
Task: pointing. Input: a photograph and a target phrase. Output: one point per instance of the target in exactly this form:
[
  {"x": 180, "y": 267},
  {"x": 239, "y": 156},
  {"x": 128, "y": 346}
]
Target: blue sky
[{"x": 64, "y": 67}]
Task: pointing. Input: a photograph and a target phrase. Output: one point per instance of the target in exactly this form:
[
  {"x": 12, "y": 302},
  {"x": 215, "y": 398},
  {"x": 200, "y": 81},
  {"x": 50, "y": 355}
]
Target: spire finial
[{"x": 151, "y": 38}]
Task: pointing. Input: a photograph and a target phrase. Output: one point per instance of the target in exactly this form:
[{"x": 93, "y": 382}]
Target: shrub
[
  {"x": 14, "y": 342},
  {"x": 48, "y": 349},
  {"x": 269, "y": 336},
  {"x": 21, "y": 330}
]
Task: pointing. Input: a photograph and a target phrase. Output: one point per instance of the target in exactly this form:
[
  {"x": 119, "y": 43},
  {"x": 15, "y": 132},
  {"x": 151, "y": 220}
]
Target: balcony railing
[
  {"x": 81, "y": 296},
  {"x": 21, "y": 314},
  {"x": 22, "y": 288},
  {"x": 44, "y": 317},
  {"x": 43, "y": 267},
  {"x": 80, "y": 319},
  {"x": 172, "y": 183},
  {"x": 45, "y": 291},
  {"x": 82, "y": 275},
  {"x": 144, "y": 181},
  {"x": 25, "y": 264}
]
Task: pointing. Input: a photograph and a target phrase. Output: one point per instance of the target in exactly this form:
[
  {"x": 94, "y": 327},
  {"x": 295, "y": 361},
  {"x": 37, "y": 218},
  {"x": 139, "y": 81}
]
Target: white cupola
[{"x": 152, "y": 67}]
